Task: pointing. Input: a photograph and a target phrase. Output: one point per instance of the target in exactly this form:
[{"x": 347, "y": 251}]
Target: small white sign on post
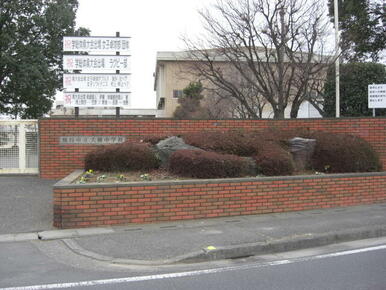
[
  {"x": 97, "y": 99},
  {"x": 96, "y": 63},
  {"x": 377, "y": 96},
  {"x": 97, "y": 44},
  {"x": 96, "y": 82}
]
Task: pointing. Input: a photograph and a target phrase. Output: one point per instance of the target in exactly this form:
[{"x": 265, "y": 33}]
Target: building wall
[
  {"x": 58, "y": 160},
  {"x": 176, "y": 75}
]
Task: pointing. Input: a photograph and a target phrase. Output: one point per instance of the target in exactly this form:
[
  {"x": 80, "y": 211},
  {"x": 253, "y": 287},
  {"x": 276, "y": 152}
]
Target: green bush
[
  {"x": 121, "y": 157},
  {"x": 204, "y": 164}
]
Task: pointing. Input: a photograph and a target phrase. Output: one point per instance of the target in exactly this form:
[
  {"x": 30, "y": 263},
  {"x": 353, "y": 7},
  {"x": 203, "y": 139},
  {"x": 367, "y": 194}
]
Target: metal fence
[{"x": 19, "y": 148}]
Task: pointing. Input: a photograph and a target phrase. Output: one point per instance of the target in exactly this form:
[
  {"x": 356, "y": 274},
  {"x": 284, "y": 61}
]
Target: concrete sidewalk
[
  {"x": 204, "y": 240},
  {"x": 25, "y": 204}
]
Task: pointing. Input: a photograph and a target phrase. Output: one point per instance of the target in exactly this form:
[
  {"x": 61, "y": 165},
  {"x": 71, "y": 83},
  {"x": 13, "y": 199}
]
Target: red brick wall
[
  {"x": 57, "y": 161},
  {"x": 98, "y": 205}
]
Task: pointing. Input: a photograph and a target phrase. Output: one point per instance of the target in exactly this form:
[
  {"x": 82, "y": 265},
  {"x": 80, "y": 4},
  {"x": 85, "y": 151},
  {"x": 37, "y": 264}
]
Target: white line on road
[{"x": 191, "y": 273}]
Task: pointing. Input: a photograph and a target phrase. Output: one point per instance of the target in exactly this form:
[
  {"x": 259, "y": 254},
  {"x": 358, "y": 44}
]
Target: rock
[
  {"x": 302, "y": 150},
  {"x": 252, "y": 166},
  {"x": 166, "y": 147}
]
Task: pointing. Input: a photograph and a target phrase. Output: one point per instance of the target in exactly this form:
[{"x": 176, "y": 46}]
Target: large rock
[
  {"x": 302, "y": 150},
  {"x": 166, "y": 147}
]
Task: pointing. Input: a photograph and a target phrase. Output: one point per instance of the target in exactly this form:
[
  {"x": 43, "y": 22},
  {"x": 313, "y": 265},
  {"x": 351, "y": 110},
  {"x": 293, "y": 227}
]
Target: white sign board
[
  {"x": 377, "y": 96},
  {"x": 97, "y": 99},
  {"x": 96, "y": 62},
  {"x": 97, "y": 44},
  {"x": 96, "y": 82}
]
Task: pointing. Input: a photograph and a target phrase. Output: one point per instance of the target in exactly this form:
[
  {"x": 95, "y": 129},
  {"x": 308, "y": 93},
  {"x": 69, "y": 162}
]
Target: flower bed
[{"x": 101, "y": 204}]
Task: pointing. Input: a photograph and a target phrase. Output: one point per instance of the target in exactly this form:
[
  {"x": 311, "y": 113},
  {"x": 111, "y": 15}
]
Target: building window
[{"x": 178, "y": 94}]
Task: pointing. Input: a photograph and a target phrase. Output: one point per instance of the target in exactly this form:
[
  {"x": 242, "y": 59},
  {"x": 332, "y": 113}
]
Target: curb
[{"x": 244, "y": 250}]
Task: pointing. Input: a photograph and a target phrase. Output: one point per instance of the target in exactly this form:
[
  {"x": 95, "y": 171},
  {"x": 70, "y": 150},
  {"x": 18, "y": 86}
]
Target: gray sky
[{"x": 154, "y": 25}]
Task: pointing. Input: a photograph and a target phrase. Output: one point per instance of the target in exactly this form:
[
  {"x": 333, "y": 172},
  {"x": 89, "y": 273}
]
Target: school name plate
[{"x": 91, "y": 140}]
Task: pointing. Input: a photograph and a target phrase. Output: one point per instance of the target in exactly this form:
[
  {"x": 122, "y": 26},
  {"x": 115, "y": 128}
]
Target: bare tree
[{"x": 262, "y": 51}]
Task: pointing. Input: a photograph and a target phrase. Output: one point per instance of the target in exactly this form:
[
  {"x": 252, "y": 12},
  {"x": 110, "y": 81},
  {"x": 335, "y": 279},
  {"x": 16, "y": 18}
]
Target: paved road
[
  {"x": 25, "y": 204},
  {"x": 355, "y": 265}
]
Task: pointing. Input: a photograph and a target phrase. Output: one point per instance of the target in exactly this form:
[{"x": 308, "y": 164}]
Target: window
[{"x": 178, "y": 94}]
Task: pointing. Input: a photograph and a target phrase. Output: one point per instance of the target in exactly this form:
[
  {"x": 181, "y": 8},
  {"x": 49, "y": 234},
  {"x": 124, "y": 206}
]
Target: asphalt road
[{"x": 356, "y": 265}]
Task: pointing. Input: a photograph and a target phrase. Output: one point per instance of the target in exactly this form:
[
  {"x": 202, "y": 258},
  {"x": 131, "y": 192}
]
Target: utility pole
[{"x": 337, "y": 53}]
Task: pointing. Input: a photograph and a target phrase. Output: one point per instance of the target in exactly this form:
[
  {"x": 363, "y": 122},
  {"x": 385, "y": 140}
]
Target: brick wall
[
  {"x": 97, "y": 205},
  {"x": 57, "y": 161}
]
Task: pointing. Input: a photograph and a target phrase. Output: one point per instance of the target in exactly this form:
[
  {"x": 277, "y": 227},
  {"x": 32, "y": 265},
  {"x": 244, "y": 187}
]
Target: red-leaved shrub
[
  {"x": 273, "y": 160},
  {"x": 229, "y": 142},
  {"x": 120, "y": 157},
  {"x": 337, "y": 153},
  {"x": 204, "y": 164}
]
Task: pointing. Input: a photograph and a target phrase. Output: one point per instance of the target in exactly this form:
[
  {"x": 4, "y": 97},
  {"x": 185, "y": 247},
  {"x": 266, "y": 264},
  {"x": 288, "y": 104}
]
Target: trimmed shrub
[
  {"x": 230, "y": 142},
  {"x": 204, "y": 164},
  {"x": 273, "y": 160},
  {"x": 120, "y": 157},
  {"x": 338, "y": 153}
]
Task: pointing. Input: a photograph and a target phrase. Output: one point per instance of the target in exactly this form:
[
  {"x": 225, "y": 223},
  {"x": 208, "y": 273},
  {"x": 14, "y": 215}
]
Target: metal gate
[{"x": 19, "y": 148}]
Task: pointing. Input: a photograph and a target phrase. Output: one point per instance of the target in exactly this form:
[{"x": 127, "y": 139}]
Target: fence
[{"x": 19, "y": 150}]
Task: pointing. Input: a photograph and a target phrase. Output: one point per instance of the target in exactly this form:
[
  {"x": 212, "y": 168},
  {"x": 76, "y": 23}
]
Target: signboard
[
  {"x": 97, "y": 44},
  {"x": 377, "y": 96},
  {"x": 96, "y": 82},
  {"x": 97, "y": 99},
  {"x": 96, "y": 62},
  {"x": 91, "y": 140}
]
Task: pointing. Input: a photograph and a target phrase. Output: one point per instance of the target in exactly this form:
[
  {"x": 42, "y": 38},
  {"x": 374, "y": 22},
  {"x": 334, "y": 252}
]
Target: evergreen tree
[
  {"x": 31, "y": 33},
  {"x": 354, "y": 81},
  {"x": 189, "y": 105},
  {"x": 363, "y": 28}
]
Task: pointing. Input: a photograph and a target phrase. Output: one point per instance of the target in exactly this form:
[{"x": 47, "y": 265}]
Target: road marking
[{"x": 192, "y": 273}]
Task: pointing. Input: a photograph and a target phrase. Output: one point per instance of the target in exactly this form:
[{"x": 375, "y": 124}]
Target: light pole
[{"x": 337, "y": 52}]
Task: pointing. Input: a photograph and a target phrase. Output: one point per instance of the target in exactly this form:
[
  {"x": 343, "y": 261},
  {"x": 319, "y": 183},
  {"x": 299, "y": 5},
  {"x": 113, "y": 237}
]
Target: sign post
[
  {"x": 376, "y": 97},
  {"x": 93, "y": 82}
]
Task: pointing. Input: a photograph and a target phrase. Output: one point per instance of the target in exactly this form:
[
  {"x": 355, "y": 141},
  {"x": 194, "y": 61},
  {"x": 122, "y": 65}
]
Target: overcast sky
[{"x": 154, "y": 25}]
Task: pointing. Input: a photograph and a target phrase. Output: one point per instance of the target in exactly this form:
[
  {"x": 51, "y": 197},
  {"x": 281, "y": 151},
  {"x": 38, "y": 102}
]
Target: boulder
[
  {"x": 166, "y": 147},
  {"x": 302, "y": 150}
]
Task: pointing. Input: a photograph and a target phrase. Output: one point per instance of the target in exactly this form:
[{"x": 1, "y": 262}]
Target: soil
[
  {"x": 128, "y": 176},
  {"x": 140, "y": 176}
]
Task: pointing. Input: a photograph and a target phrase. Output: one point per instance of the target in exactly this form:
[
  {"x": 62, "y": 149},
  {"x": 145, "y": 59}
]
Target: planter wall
[
  {"x": 58, "y": 160},
  {"x": 86, "y": 205}
]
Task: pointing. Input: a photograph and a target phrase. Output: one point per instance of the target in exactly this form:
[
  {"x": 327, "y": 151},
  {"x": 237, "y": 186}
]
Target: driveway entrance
[{"x": 19, "y": 151}]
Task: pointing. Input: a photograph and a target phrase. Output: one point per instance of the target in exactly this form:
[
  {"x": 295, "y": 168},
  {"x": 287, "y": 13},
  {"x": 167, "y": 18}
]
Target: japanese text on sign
[
  {"x": 93, "y": 82},
  {"x": 96, "y": 62},
  {"x": 97, "y": 99},
  {"x": 377, "y": 96},
  {"x": 91, "y": 140},
  {"x": 100, "y": 44}
]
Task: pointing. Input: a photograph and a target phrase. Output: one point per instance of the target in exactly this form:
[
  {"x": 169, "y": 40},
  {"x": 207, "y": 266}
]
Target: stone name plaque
[{"x": 91, "y": 140}]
